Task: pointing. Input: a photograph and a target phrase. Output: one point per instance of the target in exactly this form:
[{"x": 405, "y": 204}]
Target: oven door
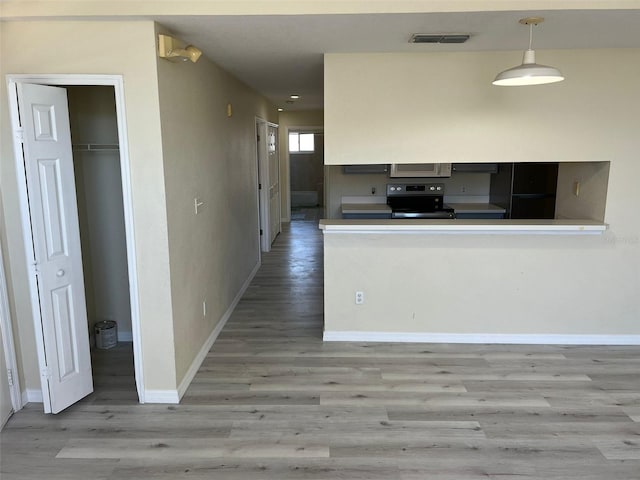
[{"x": 419, "y": 206}]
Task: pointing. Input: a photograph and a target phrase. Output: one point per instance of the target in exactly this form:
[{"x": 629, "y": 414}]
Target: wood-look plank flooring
[{"x": 272, "y": 401}]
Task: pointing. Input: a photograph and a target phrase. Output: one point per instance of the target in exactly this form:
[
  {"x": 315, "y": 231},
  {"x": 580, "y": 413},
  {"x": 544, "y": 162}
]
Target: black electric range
[{"x": 418, "y": 200}]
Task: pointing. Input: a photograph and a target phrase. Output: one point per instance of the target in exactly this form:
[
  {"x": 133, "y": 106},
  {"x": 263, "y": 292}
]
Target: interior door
[
  {"x": 66, "y": 373},
  {"x": 274, "y": 182},
  {"x": 263, "y": 181}
]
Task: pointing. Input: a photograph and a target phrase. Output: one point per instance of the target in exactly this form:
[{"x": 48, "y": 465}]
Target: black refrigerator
[{"x": 526, "y": 190}]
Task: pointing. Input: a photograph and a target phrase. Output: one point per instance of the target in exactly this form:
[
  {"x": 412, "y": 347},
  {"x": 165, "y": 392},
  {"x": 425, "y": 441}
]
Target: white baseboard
[
  {"x": 496, "y": 338},
  {"x": 3, "y": 421},
  {"x": 151, "y": 396},
  {"x": 31, "y": 395},
  {"x": 125, "y": 336},
  {"x": 161, "y": 396},
  {"x": 197, "y": 361}
]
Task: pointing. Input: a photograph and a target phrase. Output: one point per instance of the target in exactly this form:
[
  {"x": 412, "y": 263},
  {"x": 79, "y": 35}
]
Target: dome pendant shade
[{"x": 529, "y": 73}]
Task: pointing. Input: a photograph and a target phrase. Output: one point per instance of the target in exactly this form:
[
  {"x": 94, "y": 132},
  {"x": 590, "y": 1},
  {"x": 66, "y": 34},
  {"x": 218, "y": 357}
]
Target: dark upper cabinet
[
  {"x": 526, "y": 190},
  {"x": 475, "y": 167},
  {"x": 377, "y": 168}
]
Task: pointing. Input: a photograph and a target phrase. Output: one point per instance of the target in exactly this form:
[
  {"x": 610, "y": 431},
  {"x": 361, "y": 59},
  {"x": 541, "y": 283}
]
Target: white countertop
[{"x": 453, "y": 226}]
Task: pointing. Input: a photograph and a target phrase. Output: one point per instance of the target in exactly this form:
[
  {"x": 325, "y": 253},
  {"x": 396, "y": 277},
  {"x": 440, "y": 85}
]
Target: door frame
[
  {"x": 263, "y": 211},
  {"x": 277, "y": 176},
  {"x": 6, "y": 328},
  {"x": 117, "y": 82},
  {"x": 303, "y": 129}
]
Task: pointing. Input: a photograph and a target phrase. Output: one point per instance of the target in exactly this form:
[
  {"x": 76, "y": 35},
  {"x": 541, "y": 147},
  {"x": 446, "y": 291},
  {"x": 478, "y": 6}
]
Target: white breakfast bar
[{"x": 461, "y": 281}]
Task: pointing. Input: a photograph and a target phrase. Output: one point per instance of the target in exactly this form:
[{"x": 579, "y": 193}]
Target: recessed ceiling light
[
  {"x": 294, "y": 96},
  {"x": 280, "y": 109}
]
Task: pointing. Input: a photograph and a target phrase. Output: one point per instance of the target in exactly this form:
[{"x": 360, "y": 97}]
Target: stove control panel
[{"x": 415, "y": 189}]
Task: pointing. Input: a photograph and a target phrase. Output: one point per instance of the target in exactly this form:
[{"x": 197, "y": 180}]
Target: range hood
[{"x": 426, "y": 170}]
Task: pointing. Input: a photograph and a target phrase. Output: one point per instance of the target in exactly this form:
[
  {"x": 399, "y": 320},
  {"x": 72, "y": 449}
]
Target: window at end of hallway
[{"x": 301, "y": 142}]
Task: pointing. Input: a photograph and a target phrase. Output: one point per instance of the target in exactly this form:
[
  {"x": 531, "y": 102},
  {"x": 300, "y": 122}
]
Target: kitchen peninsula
[
  {"x": 468, "y": 281},
  {"x": 478, "y": 277}
]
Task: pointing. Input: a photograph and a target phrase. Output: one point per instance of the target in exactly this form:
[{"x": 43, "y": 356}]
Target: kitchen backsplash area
[{"x": 371, "y": 188}]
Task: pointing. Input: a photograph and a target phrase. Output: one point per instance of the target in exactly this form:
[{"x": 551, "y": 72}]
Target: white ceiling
[{"x": 279, "y": 55}]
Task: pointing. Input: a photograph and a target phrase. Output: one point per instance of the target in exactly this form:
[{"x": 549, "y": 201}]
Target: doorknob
[{"x": 60, "y": 273}]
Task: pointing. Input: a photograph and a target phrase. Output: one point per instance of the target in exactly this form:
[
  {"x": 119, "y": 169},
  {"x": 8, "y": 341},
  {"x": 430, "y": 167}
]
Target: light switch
[{"x": 197, "y": 204}]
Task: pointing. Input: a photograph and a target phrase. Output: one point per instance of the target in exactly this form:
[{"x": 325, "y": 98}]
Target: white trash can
[{"x": 106, "y": 333}]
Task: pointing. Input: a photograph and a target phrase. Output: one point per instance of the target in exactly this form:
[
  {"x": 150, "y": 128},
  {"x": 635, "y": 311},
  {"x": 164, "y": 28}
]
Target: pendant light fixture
[{"x": 529, "y": 73}]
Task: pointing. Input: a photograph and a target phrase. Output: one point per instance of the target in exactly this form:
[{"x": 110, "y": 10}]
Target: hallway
[
  {"x": 273, "y": 402},
  {"x": 280, "y": 314}
]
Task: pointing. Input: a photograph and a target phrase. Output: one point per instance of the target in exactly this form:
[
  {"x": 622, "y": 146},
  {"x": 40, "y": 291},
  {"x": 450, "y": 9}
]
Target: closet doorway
[
  {"x": 79, "y": 197},
  {"x": 96, "y": 160}
]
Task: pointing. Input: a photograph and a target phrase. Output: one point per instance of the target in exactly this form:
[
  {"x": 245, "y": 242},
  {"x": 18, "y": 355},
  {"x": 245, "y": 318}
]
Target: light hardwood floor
[{"x": 272, "y": 401}]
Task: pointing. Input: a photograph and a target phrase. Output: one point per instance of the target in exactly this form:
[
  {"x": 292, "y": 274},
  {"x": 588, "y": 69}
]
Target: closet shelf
[{"x": 96, "y": 147}]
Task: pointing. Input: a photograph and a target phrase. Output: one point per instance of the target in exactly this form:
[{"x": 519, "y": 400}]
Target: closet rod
[{"x": 96, "y": 147}]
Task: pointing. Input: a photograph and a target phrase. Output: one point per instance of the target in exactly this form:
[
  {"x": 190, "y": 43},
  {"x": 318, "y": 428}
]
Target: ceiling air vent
[{"x": 439, "y": 38}]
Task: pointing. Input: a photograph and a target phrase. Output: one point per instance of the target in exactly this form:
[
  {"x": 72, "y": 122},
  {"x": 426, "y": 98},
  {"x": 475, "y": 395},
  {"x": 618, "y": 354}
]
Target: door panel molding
[{"x": 51, "y": 190}]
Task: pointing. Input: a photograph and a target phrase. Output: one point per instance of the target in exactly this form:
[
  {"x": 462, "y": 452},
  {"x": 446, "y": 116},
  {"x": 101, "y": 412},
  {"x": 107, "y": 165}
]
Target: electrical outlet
[
  {"x": 359, "y": 298},
  {"x": 463, "y": 189}
]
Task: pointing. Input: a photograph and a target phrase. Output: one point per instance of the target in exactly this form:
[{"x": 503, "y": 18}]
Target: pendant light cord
[{"x": 530, "y": 35}]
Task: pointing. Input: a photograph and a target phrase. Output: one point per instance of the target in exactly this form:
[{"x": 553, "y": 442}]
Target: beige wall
[
  {"x": 123, "y": 48},
  {"x": 478, "y": 283},
  {"x": 442, "y": 107},
  {"x": 212, "y": 157},
  {"x": 286, "y": 121}
]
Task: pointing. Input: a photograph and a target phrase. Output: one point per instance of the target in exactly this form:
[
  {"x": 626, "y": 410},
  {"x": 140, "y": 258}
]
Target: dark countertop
[
  {"x": 351, "y": 208},
  {"x": 476, "y": 208}
]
